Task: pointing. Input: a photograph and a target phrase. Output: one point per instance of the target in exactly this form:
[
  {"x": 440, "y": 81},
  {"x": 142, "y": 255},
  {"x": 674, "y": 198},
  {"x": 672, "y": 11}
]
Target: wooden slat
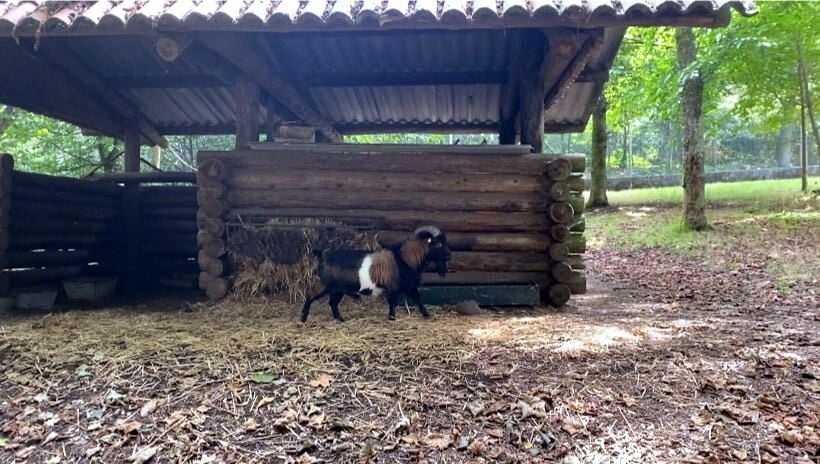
[
  {"x": 389, "y": 200},
  {"x": 245, "y": 178}
]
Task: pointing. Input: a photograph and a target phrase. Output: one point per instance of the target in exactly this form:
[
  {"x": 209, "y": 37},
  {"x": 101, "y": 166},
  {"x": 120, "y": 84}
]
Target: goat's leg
[
  {"x": 416, "y": 297},
  {"x": 335, "y": 299},
  {"x": 306, "y": 307},
  {"x": 392, "y": 301}
]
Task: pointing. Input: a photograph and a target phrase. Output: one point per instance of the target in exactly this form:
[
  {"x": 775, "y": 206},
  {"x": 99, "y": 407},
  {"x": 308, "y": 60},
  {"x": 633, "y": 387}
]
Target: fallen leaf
[
  {"x": 112, "y": 396},
  {"x": 128, "y": 427},
  {"x": 54, "y": 460},
  {"x": 572, "y": 426},
  {"x": 537, "y": 409},
  {"x": 740, "y": 454},
  {"x": 40, "y": 397},
  {"x": 411, "y": 439},
  {"x": 477, "y": 448},
  {"x": 144, "y": 455},
  {"x": 148, "y": 408},
  {"x": 250, "y": 424},
  {"x": 50, "y": 437},
  {"x": 495, "y": 432},
  {"x": 437, "y": 440},
  {"x": 92, "y": 451},
  {"x": 83, "y": 371},
  {"x": 306, "y": 459},
  {"x": 463, "y": 442},
  {"x": 263, "y": 377},
  {"x": 322, "y": 381},
  {"x": 475, "y": 408},
  {"x": 792, "y": 437}
]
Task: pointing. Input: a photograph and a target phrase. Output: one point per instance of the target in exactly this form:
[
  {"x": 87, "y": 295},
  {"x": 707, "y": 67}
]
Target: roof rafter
[
  {"x": 232, "y": 48},
  {"x": 72, "y": 65}
]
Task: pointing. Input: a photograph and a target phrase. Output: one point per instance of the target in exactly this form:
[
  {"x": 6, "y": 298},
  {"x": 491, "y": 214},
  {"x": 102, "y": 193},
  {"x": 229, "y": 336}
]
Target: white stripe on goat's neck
[{"x": 365, "y": 281}]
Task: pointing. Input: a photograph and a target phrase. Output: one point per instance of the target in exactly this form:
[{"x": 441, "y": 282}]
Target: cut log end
[
  {"x": 560, "y": 213},
  {"x": 558, "y": 251},
  {"x": 561, "y": 272},
  {"x": 559, "y": 192},
  {"x": 558, "y": 294},
  {"x": 217, "y": 288},
  {"x": 559, "y": 169},
  {"x": 213, "y": 170},
  {"x": 560, "y": 232}
]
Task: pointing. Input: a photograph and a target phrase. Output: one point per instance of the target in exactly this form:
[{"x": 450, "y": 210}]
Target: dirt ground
[{"x": 670, "y": 357}]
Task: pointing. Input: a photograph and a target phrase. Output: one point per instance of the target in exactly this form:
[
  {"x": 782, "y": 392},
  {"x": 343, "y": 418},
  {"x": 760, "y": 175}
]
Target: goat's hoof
[
  {"x": 339, "y": 319},
  {"x": 426, "y": 316},
  {"x": 391, "y": 318}
]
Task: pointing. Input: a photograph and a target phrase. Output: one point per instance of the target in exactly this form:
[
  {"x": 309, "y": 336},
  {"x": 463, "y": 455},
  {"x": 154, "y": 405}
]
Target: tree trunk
[
  {"x": 804, "y": 78},
  {"x": 597, "y": 187},
  {"x": 804, "y": 158},
  {"x": 694, "y": 184},
  {"x": 784, "y": 146}
]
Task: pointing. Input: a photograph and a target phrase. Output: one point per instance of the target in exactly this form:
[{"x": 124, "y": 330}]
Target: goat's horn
[{"x": 434, "y": 231}]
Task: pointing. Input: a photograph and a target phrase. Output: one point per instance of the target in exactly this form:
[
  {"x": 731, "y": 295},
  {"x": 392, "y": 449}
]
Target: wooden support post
[
  {"x": 272, "y": 120},
  {"x": 532, "y": 91},
  {"x": 6, "y": 169},
  {"x": 132, "y": 269},
  {"x": 246, "y": 98}
]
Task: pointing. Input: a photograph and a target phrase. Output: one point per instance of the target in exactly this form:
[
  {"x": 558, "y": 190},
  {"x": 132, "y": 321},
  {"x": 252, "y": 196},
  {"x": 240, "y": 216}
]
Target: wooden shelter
[{"x": 142, "y": 70}]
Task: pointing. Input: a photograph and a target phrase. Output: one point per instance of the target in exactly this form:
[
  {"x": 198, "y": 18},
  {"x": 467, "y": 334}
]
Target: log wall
[
  {"x": 53, "y": 228},
  {"x": 168, "y": 230},
  {"x": 509, "y": 217}
]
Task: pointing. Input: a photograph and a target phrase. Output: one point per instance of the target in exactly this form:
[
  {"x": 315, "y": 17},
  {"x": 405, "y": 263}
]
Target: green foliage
[{"x": 42, "y": 144}]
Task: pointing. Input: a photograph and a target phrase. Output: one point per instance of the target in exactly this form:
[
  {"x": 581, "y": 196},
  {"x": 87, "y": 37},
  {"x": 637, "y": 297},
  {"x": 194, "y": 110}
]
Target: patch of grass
[{"x": 759, "y": 193}]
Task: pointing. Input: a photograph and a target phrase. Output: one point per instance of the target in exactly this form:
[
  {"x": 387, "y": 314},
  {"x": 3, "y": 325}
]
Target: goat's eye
[{"x": 429, "y": 240}]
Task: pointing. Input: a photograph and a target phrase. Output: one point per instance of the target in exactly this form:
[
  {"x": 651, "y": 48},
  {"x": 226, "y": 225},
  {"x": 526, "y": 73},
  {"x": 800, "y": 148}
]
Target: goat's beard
[{"x": 441, "y": 267}]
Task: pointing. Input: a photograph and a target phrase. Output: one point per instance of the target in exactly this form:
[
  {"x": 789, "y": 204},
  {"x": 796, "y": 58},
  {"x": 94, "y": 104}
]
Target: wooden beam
[
  {"x": 531, "y": 91},
  {"x": 347, "y": 128},
  {"x": 510, "y": 103},
  {"x": 44, "y": 89},
  {"x": 132, "y": 147},
  {"x": 592, "y": 75},
  {"x": 388, "y": 79},
  {"x": 569, "y": 60},
  {"x": 246, "y": 98},
  {"x": 256, "y": 68},
  {"x": 169, "y": 81},
  {"x": 73, "y": 65}
]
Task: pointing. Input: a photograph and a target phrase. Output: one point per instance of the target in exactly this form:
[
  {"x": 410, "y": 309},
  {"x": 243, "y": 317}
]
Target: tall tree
[
  {"x": 694, "y": 182},
  {"x": 597, "y": 185}
]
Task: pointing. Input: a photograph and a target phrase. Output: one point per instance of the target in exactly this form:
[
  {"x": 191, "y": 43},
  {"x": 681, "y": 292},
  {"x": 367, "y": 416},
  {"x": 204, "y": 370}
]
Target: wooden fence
[
  {"x": 53, "y": 228},
  {"x": 509, "y": 217}
]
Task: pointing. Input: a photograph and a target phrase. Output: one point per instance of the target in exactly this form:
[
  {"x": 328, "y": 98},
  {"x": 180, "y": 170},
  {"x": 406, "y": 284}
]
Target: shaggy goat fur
[{"x": 395, "y": 270}]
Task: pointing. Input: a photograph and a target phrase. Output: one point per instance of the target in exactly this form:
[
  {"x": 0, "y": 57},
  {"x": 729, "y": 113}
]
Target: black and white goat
[{"x": 394, "y": 270}]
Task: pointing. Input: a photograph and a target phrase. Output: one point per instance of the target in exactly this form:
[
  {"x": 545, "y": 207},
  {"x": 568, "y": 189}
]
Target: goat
[{"x": 395, "y": 270}]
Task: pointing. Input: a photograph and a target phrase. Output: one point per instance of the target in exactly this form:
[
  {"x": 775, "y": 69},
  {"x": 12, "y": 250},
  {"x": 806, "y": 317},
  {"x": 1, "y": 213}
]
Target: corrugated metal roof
[
  {"x": 30, "y": 16},
  {"x": 337, "y": 72}
]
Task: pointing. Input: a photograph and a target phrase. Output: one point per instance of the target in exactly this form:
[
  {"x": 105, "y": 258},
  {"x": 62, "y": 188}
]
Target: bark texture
[
  {"x": 597, "y": 186},
  {"x": 694, "y": 184}
]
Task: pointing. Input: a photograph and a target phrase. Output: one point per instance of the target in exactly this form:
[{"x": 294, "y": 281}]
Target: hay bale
[{"x": 276, "y": 258}]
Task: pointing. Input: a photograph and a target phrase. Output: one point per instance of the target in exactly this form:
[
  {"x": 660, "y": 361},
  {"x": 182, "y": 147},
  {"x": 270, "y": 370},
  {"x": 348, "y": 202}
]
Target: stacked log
[
  {"x": 52, "y": 227},
  {"x": 210, "y": 221},
  {"x": 510, "y": 218},
  {"x": 169, "y": 229}
]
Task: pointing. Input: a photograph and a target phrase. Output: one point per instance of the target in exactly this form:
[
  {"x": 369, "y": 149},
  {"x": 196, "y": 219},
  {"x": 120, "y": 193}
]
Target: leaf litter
[{"x": 665, "y": 359}]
